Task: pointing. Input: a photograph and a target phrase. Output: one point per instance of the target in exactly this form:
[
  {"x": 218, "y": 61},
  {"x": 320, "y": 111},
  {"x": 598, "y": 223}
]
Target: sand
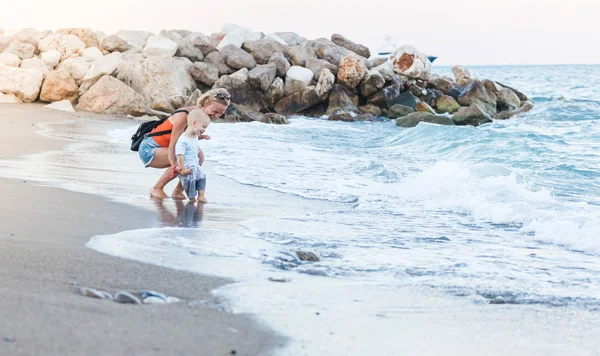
[{"x": 44, "y": 262}]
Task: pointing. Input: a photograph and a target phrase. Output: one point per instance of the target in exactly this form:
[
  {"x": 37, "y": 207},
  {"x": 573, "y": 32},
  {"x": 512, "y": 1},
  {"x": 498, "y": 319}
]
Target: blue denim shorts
[{"x": 147, "y": 150}]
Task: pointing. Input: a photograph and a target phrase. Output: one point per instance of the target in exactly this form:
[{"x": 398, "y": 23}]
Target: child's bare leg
[{"x": 202, "y": 197}]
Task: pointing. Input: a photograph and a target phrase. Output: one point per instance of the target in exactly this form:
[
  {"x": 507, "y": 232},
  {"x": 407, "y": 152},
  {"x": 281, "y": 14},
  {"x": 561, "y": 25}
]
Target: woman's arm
[{"x": 179, "y": 121}]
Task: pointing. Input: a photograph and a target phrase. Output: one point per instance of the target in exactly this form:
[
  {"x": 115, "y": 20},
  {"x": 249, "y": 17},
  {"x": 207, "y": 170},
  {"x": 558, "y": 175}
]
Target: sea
[{"x": 434, "y": 230}]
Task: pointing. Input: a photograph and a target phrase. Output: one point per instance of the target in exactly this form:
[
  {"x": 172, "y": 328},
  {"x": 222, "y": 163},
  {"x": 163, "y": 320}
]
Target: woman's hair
[{"x": 219, "y": 95}]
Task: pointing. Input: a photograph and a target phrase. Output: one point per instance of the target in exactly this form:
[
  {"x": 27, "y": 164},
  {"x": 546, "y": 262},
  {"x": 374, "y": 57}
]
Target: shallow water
[{"x": 507, "y": 212}]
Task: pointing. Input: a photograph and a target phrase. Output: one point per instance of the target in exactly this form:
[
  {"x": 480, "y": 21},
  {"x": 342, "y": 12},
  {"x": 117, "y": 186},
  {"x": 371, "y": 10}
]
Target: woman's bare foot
[{"x": 158, "y": 193}]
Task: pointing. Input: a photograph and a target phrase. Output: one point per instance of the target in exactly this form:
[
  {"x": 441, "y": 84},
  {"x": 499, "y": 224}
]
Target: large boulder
[
  {"x": 447, "y": 104},
  {"x": 275, "y": 93},
  {"x": 204, "y": 73},
  {"x": 521, "y": 96},
  {"x": 409, "y": 61},
  {"x": 275, "y": 119},
  {"x": 397, "y": 110},
  {"x": 290, "y": 38},
  {"x": 35, "y": 63},
  {"x": 136, "y": 40},
  {"x": 253, "y": 36},
  {"x": 10, "y": 99},
  {"x": 299, "y": 54},
  {"x": 442, "y": 84},
  {"x": 24, "y": 83},
  {"x": 382, "y": 97},
  {"x": 107, "y": 65},
  {"x": 160, "y": 46},
  {"x": 114, "y": 44},
  {"x": 262, "y": 76},
  {"x": 263, "y": 50},
  {"x": 359, "y": 49},
  {"x": 63, "y": 105},
  {"x": 231, "y": 39},
  {"x": 111, "y": 96},
  {"x": 86, "y": 35},
  {"x": 50, "y": 58},
  {"x": 10, "y": 59},
  {"x": 241, "y": 92},
  {"x": 412, "y": 120},
  {"x": 340, "y": 115},
  {"x": 59, "y": 85},
  {"x": 503, "y": 115},
  {"x": 351, "y": 71},
  {"x": 371, "y": 109},
  {"x": 281, "y": 63},
  {"x": 27, "y": 35},
  {"x": 473, "y": 115},
  {"x": 341, "y": 98},
  {"x": 186, "y": 48},
  {"x": 386, "y": 69},
  {"x": 317, "y": 65},
  {"x": 77, "y": 67},
  {"x": 237, "y": 58},
  {"x": 462, "y": 75},
  {"x": 4, "y": 43},
  {"x": 92, "y": 54},
  {"x": 372, "y": 83},
  {"x": 69, "y": 46},
  {"x": 507, "y": 100},
  {"x": 325, "y": 82},
  {"x": 20, "y": 49},
  {"x": 476, "y": 93},
  {"x": 296, "y": 79},
  {"x": 217, "y": 59},
  {"x": 203, "y": 44},
  {"x": 424, "y": 107},
  {"x": 298, "y": 101}
]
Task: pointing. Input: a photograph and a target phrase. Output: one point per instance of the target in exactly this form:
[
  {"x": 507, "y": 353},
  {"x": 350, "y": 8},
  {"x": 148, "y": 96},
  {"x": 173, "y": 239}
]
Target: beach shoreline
[{"x": 44, "y": 262}]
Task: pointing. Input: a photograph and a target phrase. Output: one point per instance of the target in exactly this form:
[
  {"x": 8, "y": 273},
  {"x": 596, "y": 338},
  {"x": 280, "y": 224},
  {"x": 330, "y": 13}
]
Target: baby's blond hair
[{"x": 197, "y": 115}]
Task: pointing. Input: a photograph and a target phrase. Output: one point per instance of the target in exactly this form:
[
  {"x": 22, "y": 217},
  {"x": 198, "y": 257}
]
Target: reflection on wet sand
[{"x": 178, "y": 213}]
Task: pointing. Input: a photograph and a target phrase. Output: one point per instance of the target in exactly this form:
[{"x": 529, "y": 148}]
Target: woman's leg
[{"x": 161, "y": 160}]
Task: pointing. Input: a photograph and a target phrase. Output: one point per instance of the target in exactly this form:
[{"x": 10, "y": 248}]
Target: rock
[
  {"x": 461, "y": 75},
  {"x": 100, "y": 36},
  {"x": 153, "y": 300},
  {"x": 22, "y": 50},
  {"x": 372, "y": 83},
  {"x": 262, "y": 76},
  {"x": 274, "y": 37},
  {"x": 298, "y": 101},
  {"x": 237, "y": 58},
  {"x": 216, "y": 38},
  {"x": 193, "y": 99},
  {"x": 290, "y": 38},
  {"x": 397, "y": 110},
  {"x": 63, "y": 105},
  {"x": 10, "y": 60},
  {"x": 412, "y": 120},
  {"x": 10, "y": 99},
  {"x": 162, "y": 105},
  {"x": 521, "y": 96},
  {"x": 86, "y": 35},
  {"x": 276, "y": 119},
  {"x": 447, "y": 104},
  {"x": 24, "y": 83},
  {"x": 92, "y": 54},
  {"x": 160, "y": 46},
  {"x": 473, "y": 115},
  {"x": 364, "y": 117},
  {"x": 204, "y": 73},
  {"x": 27, "y": 35},
  {"x": 115, "y": 44},
  {"x": 475, "y": 93},
  {"x": 35, "y": 63},
  {"x": 299, "y": 54},
  {"x": 203, "y": 44},
  {"x": 69, "y": 46},
  {"x": 376, "y": 62},
  {"x": 107, "y": 65},
  {"x": 340, "y": 115},
  {"x": 253, "y": 36},
  {"x": 382, "y": 97},
  {"x": 296, "y": 79},
  {"x": 442, "y": 84},
  {"x": 241, "y": 92},
  {"x": 281, "y": 63},
  {"x": 172, "y": 35},
  {"x": 110, "y": 96},
  {"x": 334, "y": 54},
  {"x": 90, "y": 292},
  {"x": 492, "y": 87},
  {"x": 503, "y": 115},
  {"x": 424, "y": 107},
  {"x": 340, "y": 98},
  {"x": 371, "y": 109},
  {"x": 241, "y": 113},
  {"x": 507, "y": 100},
  {"x": 232, "y": 39},
  {"x": 386, "y": 69},
  {"x": 412, "y": 63},
  {"x": 317, "y": 65},
  {"x": 217, "y": 59},
  {"x": 325, "y": 82},
  {"x": 136, "y": 40},
  {"x": 77, "y": 67},
  {"x": 186, "y": 48},
  {"x": 351, "y": 71},
  {"x": 349, "y": 45},
  {"x": 4, "y": 43},
  {"x": 126, "y": 298},
  {"x": 263, "y": 50},
  {"x": 307, "y": 256},
  {"x": 275, "y": 93}
]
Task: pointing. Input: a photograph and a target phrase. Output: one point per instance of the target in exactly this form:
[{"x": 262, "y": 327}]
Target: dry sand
[{"x": 43, "y": 263}]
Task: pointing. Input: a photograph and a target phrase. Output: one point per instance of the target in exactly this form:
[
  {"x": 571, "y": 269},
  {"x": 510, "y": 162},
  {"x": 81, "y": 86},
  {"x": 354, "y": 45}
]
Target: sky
[{"x": 467, "y": 32}]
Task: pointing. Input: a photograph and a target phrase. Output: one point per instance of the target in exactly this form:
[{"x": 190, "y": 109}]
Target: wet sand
[{"x": 44, "y": 262}]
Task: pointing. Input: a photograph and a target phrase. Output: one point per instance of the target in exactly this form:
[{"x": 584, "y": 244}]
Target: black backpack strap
[
  {"x": 159, "y": 133},
  {"x": 180, "y": 110}
]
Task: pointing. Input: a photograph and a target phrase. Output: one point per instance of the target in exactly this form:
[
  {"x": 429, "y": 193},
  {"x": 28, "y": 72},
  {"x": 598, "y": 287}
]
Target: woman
[{"x": 159, "y": 151}]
